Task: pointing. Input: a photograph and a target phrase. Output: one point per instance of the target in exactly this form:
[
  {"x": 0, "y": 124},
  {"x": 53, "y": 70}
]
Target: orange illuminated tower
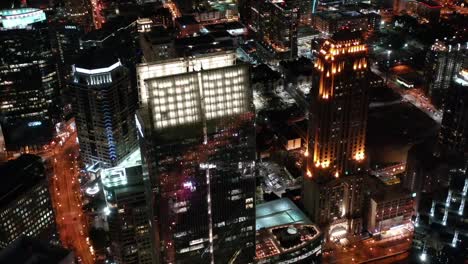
[{"x": 337, "y": 130}]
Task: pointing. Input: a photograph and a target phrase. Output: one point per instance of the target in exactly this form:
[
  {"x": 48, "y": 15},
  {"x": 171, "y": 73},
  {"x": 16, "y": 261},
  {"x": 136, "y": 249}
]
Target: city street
[
  {"x": 66, "y": 196},
  {"x": 386, "y": 250},
  {"x": 413, "y": 96}
]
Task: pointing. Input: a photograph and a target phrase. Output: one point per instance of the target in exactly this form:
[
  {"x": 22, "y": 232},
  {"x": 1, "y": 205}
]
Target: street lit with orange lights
[
  {"x": 385, "y": 250},
  {"x": 98, "y": 19},
  {"x": 66, "y": 196},
  {"x": 414, "y": 96},
  {"x": 173, "y": 9}
]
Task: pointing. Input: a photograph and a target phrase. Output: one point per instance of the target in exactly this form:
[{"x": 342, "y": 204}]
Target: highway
[{"x": 66, "y": 197}]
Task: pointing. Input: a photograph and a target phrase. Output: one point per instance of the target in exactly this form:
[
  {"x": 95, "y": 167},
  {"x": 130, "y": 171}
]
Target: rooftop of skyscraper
[
  {"x": 20, "y": 18},
  {"x": 97, "y": 59}
]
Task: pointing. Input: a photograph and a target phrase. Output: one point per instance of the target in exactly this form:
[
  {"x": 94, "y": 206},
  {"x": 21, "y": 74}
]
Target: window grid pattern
[
  {"x": 188, "y": 98},
  {"x": 224, "y": 92},
  {"x": 175, "y": 101}
]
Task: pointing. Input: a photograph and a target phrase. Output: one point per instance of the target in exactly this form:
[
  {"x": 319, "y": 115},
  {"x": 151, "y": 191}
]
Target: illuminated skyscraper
[
  {"x": 129, "y": 230},
  {"x": 338, "y": 116},
  {"x": 29, "y": 87},
  {"x": 104, "y": 109},
  {"x": 275, "y": 24},
  {"x": 198, "y": 143},
  {"x": 443, "y": 61},
  {"x": 453, "y": 135}
]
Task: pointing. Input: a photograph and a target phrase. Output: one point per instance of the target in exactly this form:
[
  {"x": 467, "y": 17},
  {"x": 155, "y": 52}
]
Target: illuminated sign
[
  {"x": 237, "y": 31},
  {"x": 139, "y": 126},
  {"x": 20, "y": 18},
  {"x": 34, "y": 124},
  {"x": 100, "y": 70},
  {"x": 407, "y": 85}
]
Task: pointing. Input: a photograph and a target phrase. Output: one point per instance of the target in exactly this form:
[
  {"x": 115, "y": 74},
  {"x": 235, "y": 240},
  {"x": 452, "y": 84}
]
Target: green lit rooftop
[
  {"x": 19, "y": 11},
  {"x": 279, "y": 212}
]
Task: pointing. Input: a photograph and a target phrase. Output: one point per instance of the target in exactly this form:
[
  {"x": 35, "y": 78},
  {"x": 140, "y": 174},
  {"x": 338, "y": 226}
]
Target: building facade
[
  {"x": 390, "y": 208},
  {"x": 335, "y": 156},
  {"x": 443, "y": 61},
  {"x": 29, "y": 83},
  {"x": 129, "y": 229},
  {"x": 104, "y": 107},
  {"x": 276, "y": 25},
  {"x": 453, "y": 136},
  {"x": 198, "y": 145},
  {"x": 25, "y": 204}
]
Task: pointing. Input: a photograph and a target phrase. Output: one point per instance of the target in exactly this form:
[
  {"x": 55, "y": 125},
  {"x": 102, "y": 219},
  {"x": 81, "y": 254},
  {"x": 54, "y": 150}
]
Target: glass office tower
[
  {"x": 29, "y": 85},
  {"x": 198, "y": 143}
]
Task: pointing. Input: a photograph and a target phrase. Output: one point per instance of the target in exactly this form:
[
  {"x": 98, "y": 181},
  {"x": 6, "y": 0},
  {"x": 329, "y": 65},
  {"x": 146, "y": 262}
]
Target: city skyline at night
[{"x": 233, "y": 132}]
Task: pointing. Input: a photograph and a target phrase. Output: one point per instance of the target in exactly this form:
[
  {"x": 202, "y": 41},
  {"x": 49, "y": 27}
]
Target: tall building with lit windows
[
  {"x": 198, "y": 148},
  {"x": 29, "y": 83},
  {"x": 453, "y": 136},
  {"x": 104, "y": 107},
  {"x": 443, "y": 61},
  {"x": 276, "y": 24},
  {"x": 337, "y": 131},
  {"x": 127, "y": 211},
  {"x": 25, "y": 204}
]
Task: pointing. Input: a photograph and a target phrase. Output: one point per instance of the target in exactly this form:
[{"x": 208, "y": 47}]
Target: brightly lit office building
[
  {"x": 29, "y": 87},
  {"x": 102, "y": 101},
  {"x": 336, "y": 151},
  {"x": 127, "y": 211},
  {"x": 25, "y": 204},
  {"x": 198, "y": 146}
]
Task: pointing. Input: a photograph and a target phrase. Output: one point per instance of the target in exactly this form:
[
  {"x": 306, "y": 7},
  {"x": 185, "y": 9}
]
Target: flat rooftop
[
  {"x": 97, "y": 59},
  {"x": 279, "y": 212},
  {"x": 334, "y": 15}
]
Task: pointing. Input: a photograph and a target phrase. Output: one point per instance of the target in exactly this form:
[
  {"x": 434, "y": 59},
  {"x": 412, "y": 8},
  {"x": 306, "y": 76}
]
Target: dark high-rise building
[
  {"x": 67, "y": 45},
  {"x": 443, "y": 61},
  {"x": 29, "y": 87},
  {"x": 27, "y": 250},
  {"x": 25, "y": 204},
  {"x": 337, "y": 132},
  {"x": 453, "y": 135},
  {"x": 78, "y": 11},
  {"x": 198, "y": 145},
  {"x": 127, "y": 217},
  {"x": 104, "y": 107},
  {"x": 275, "y": 24}
]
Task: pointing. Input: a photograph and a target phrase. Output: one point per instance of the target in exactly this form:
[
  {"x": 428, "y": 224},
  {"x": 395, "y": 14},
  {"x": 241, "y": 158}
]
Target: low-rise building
[
  {"x": 333, "y": 21},
  {"x": 389, "y": 208},
  {"x": 285, "y": 234}
]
